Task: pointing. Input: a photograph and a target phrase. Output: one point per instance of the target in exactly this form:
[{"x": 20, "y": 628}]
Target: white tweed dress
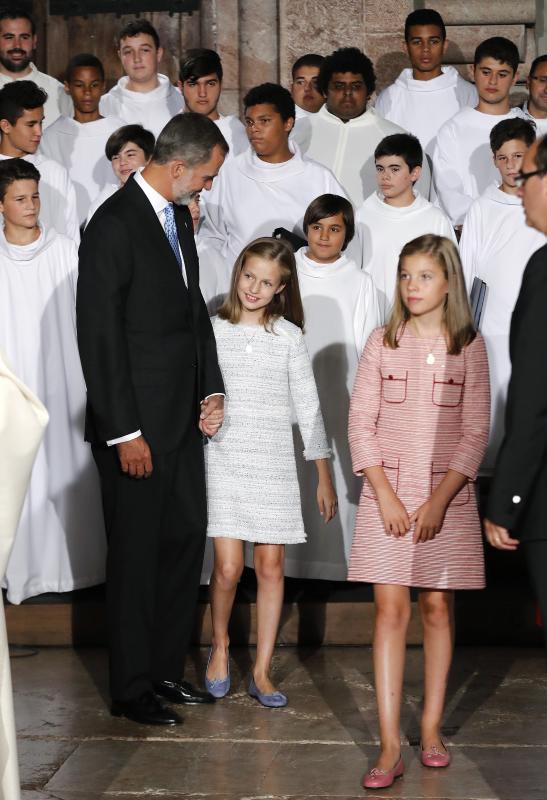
[{"x": 252, "y": 485}]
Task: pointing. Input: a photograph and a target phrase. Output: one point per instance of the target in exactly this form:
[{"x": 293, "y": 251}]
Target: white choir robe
[
  {"x": 340, "y": 311},
  {"x": 383, "y": 230},
  {"x": 79, "y": 148},
  {"x": 57, "y": 196},
  {"x": 463, "y": 165},
  {"x": 58, "y": 101},
  {"x": 107, "y": 191},
  {"x": 60, "y": 543},
  {"x": 152, "y": 110},
  {"x": 347, "y": 148},
  {"x": 251, "y": 198},
  {"x": 422, "y": 107},
  {"x": 495, "y": 246},
  {"x": 541, "y": 124},
  {"x": 22, "y": 422}
]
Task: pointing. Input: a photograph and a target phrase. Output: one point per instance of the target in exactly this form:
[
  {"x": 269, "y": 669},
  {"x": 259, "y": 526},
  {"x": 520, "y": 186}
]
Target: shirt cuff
[
  {"x": 127, "y": 438},
  {"x": 215, "y": 394}
]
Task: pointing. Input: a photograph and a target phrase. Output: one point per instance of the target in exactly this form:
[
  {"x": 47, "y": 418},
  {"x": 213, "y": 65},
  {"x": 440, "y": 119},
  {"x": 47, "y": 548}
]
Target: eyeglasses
[{"x": 522, "y": 177}]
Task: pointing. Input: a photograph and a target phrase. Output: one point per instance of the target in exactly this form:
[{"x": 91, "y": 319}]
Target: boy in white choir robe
[
  {"x": 268, "y": 186},
  {"x": 21, "y": 116},
  {"x": 341, "y": 310},
  {"x": 395, "y": 214},
  {"x": 78, "y": 143},
  {"x": 304, "y": 88},
  {"x": 535, "y": 107},
  {"x": 128, "y": 149},
  {"x": 344, "y": 133},
  {"x": 462, "y": 165},
  {"x": 200, "y": 82},
  {"x": 60, "y": 542},
  {"x": 428, "y": 94},
  {"x": 495, "y": 246},
  {"x": 143, "y": 95}
]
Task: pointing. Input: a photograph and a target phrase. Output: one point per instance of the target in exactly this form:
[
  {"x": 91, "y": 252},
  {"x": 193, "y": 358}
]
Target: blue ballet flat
[
  {"x": 218, "y": 687},
  {"x": 275, "y": 700}
]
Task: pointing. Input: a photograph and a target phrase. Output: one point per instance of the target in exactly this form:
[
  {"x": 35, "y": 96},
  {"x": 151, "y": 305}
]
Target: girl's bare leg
[
  {"x": 389, "y": 649},
  {"x": 227, "y": 571},
  {"x": 269, "y": 562},
  {"x": 437, "y": 611}
]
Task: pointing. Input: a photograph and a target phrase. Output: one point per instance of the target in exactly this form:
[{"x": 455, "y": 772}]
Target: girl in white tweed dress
[{"x": 252, "y": 485}]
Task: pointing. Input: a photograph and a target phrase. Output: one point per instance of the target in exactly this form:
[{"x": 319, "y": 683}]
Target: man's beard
[
  {"x": 185, "y": 199},
  {"x": 18, "y": 66}
]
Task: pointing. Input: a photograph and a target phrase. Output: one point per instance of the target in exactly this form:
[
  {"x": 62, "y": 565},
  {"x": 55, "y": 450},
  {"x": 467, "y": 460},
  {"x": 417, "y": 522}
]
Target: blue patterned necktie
[{"x": 171, "y": 231}]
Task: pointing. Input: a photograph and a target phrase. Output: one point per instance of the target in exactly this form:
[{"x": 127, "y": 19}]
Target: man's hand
[
  {"x": 135, "y": 457},
  {"x": 212, "y": 414},
  {"x": 499, "y": 537}
]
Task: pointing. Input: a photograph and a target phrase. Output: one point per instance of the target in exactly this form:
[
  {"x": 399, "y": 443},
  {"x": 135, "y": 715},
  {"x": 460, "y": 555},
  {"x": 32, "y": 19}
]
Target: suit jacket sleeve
[
  {"x": 524, "y": 448},
  {"x": 105, "y": 271}
]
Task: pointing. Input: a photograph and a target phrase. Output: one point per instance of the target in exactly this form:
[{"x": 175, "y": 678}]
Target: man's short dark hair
[
  {"x": 501, "y": 49},
  {"x": 130, "y": 133},
  {"x": 17, "y": 97},
  {"x": 17, "y": 12},
  {"x": 273, "y": 94},
  {"x": 189, "y": 137},
  {"x": 328, "y": 205},
  {"x": 83, "y": 60},
  {"x": 346, "y": 59},
  {"x": 535, "y": 64},
  {"x": 308, "y": 60},
  {"x": 134, "y": 28},
  {"x": 16, "y": 169},
  {"x": 523, "y": 130},
  {"x": 404, "y": 145},
  {"x": 424, "y": 16},
  {"x": 200, "y": 62}
]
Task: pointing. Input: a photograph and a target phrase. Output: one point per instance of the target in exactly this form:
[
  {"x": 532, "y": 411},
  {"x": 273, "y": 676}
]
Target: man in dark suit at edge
[
  {"x": 517, "y": 508},
  {"x": 154, "y": 388}
]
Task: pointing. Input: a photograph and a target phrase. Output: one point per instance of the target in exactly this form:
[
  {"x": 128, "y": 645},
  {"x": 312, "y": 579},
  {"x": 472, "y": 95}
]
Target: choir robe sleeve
[
  {"x": 447, "y": 168},
  {"x": 471, "y": 245}
]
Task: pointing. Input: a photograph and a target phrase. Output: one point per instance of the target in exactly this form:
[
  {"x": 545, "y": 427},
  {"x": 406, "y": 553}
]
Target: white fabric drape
[{"x": 23, "y": 419}]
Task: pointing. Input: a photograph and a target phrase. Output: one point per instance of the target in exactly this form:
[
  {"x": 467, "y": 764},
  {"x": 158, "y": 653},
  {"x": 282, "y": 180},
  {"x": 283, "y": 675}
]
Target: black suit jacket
[
  {"x": 518, "y": 494},
  {"x": 146, "y": 343}
]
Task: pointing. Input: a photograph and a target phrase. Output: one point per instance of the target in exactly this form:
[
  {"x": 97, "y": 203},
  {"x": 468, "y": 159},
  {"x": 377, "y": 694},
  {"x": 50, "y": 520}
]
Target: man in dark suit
[
  {"x": 517, "y": 509},
  {"x": 154, "y": 389}
]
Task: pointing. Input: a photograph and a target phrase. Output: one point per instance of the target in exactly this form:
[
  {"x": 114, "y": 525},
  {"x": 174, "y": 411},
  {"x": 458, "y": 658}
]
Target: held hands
[
  {"x": 499, "y": 537},
  {"x": 135, "y": 457},
  {"x": 327, "y": 499},
  {"x": 212, "y": 415}
]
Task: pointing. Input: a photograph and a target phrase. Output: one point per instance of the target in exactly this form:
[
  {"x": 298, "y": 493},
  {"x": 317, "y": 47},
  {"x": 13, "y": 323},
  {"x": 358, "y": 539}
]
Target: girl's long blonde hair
[
  {"x": 458, "y": 320},
  {"x": 287, "y": 303}
]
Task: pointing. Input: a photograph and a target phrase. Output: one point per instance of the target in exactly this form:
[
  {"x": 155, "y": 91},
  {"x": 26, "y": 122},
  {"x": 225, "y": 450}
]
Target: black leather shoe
[
  {"x": 147, "y": 709},
  {"x": 182, "y": 692}
]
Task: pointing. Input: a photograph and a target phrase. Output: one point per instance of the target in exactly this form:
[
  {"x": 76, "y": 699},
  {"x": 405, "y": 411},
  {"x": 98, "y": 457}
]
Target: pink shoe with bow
[
  {"x": 434, "y": 757},
  {"x": 377, "y": 778}
]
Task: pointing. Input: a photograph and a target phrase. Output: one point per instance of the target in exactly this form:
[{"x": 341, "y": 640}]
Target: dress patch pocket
[
  {"x": 447, "y": 391},
  {"x": 438, "y": 471},
  {"x": 391, "y": 469},
  {"x": 394, "y": 387}
]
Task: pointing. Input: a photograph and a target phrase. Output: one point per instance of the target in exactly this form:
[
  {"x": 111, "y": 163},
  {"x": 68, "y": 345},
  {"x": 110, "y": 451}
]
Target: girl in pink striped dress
[{"x": 418, "y": 428}]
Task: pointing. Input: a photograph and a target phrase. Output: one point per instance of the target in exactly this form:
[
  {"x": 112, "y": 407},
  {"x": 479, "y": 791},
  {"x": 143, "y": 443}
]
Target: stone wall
[{"x": 259, "y": 40}]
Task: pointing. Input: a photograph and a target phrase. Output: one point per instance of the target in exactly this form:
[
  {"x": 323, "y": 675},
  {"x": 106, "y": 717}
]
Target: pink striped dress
[{"x": 417, "y": 420}]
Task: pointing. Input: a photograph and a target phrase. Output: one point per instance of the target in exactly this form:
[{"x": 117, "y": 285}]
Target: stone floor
[{"x": 70, "y": 748}]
